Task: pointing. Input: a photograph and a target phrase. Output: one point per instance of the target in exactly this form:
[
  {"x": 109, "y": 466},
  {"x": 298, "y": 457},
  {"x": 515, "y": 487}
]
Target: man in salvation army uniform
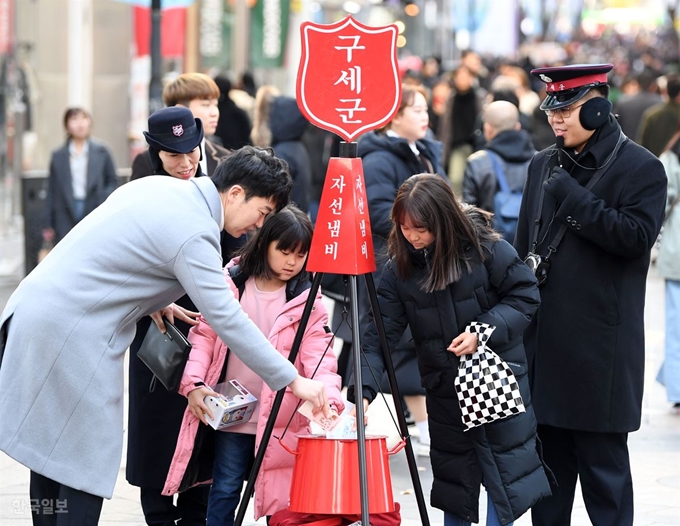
[{"x": 592, "y": 209}]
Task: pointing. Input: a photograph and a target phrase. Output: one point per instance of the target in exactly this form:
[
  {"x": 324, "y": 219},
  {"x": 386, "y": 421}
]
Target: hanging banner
[
  {"x": 6, "y": 25},
  {"x": 268, "y": 33},
  {"x": 215, "y": 32},
  {"x": 173, "y": 23}
]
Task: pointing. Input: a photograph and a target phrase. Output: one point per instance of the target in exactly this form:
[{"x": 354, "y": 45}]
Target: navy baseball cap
[
  {"x": 568, "y": 84},
  {"x": 174, "y": 129}
]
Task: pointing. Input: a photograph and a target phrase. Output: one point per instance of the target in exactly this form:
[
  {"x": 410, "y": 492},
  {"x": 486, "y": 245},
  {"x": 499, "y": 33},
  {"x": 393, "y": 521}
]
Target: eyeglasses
[{"x": 564, "y": 112}]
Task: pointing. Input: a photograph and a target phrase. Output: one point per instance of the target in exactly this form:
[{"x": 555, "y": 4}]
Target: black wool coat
[
  {"x": 586, "y": 345},
  {"x": 501, "y": 291},
  {"x": 287, "y": 125}
]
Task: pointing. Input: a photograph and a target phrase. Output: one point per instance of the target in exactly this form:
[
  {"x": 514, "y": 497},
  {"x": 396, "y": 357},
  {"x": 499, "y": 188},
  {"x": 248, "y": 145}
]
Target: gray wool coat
[{"x": 72, "y": 319}]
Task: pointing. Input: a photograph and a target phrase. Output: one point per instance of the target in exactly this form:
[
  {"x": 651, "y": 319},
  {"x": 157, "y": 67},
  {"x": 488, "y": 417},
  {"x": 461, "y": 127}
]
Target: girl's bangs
[
  {"x": 294, "y": 238},
  {"x": 409, "y": 208}
]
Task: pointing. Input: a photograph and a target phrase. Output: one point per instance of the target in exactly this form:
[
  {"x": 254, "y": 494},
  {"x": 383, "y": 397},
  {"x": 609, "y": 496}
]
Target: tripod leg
[
  {"x": 276, "y": 406},
  {"x": 358, "y": 388},
  {"x": 389, "y": 368}
]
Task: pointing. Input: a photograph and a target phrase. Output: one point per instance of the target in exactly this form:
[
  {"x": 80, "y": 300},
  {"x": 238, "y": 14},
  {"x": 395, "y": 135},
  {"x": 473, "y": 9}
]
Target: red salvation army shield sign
[{"x": 348, "y": 80}]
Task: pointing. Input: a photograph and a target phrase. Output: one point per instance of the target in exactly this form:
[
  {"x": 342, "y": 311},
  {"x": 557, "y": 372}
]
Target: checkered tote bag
[{"x": 486, "y": 386}]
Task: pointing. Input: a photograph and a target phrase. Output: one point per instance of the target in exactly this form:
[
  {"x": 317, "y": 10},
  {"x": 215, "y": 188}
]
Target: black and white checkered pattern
[{"x": 486, "y": 386}]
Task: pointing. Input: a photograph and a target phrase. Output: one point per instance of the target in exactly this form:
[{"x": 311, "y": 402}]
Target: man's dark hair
[
  {"x": 506, "y": 95},
  {"x": 673, "y": 86},
  {"x": 645, "y": 80},
  {"x": 258, "y": 171},
  {"x": 602, "y": 89}
]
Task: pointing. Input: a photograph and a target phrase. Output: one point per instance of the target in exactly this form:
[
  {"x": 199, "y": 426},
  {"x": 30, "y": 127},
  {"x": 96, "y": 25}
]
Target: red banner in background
[
  {"x": 6, "y": 25},
  {"x": 173, "y": 24}
]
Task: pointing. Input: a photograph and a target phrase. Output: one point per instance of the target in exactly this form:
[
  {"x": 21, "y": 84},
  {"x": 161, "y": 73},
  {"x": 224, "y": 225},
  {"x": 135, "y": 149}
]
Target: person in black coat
[
  {"x": 449, "y": 268},
  {"x": 279, "y": 124},
  {"x": 234, "y": 125},
  {"x": 155, "y": 416},
  {"x": 605, "y": 196}
]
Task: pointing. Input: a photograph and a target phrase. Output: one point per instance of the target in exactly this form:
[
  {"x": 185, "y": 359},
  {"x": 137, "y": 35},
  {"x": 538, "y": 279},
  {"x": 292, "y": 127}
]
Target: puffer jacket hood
[
  {"x": 286, "y": 121},
  {"x": 377, "y": 141},
  {"x": 515, "y": 146}
]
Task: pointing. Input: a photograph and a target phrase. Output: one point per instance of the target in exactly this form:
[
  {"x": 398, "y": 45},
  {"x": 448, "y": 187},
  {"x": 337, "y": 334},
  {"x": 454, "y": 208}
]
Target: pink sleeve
[{"x": 202, "y": 339}]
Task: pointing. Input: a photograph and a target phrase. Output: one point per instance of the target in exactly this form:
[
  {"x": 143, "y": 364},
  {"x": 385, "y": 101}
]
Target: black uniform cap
[{"x": 567, "y": 84}]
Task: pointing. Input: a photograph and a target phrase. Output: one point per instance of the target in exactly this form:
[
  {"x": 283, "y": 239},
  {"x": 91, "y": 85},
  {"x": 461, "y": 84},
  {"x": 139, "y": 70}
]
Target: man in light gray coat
[{"x": 68, "y": 325}]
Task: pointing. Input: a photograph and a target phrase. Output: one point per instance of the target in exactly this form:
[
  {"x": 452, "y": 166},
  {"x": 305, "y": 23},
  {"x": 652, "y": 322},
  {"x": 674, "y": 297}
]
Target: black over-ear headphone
[{"x": 595, "y": 112}]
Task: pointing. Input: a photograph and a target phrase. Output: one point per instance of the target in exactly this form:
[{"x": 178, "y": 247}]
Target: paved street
[{"x": 655, "y": 449}]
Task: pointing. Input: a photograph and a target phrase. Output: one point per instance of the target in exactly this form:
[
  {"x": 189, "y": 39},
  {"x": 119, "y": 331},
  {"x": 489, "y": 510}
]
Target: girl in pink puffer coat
[{"x": 271, "y": 282}]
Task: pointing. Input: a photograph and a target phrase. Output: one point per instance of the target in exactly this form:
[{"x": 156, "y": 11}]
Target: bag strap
[
  {"x": 483, "y": 332},
  {"x": 500, "y": 175}
]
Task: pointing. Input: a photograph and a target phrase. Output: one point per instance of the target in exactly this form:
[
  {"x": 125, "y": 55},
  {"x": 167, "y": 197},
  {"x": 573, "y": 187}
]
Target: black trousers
[
  {"x": 601, "y": 462},
  {"x": 160, "y": 510},
  {"x": 54, "y": 504}
]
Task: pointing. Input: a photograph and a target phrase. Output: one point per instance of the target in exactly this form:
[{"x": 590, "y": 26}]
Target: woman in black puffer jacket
[{"x": 449, "y": 268}]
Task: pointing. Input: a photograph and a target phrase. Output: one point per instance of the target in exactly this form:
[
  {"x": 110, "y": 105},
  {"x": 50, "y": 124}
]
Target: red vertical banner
[
  {"x": 342, "y": 242},
  {"x": 173, "y": 24},
  {"x": 6, "y": 25}
]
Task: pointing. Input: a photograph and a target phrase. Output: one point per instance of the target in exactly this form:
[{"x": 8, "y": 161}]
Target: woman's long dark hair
[
  {"x": 290, "y": 228},
  {"x": 427, "y": 201}
]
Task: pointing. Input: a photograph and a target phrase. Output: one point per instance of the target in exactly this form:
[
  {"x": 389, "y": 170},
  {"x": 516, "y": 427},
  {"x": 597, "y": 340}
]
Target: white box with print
[{"x": 232, "y": 404}]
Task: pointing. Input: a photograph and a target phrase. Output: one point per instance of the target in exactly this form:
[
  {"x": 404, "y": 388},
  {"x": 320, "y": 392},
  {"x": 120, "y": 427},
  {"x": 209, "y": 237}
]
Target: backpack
[{"x": 506, "y": 203}]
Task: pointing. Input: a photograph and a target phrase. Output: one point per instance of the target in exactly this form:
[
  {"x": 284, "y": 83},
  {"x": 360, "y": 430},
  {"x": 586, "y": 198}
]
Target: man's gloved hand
[{"x": 559, "y": 184}]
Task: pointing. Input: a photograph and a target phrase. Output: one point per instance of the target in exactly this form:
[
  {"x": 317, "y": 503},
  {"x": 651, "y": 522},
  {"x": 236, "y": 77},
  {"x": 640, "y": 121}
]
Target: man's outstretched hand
[
  {"x": 314, "y": 391},
  {"x": 171, "y": 312}
]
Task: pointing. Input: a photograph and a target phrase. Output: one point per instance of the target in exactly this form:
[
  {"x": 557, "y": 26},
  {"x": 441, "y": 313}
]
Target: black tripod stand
[{"x": 346, "y": 150}]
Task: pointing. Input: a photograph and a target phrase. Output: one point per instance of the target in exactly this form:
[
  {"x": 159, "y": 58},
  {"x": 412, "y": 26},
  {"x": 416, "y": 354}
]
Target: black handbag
[{"x": 165, "y": 355}]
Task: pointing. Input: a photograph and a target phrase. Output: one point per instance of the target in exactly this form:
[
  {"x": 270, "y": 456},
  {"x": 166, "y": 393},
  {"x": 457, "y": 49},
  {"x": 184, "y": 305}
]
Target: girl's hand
[
  {"x": 197, "y": 405},
  {"x": 172, "y": 311},
  {"x": 353, "y": 412},
  {"x": 464, "y": 343}
]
